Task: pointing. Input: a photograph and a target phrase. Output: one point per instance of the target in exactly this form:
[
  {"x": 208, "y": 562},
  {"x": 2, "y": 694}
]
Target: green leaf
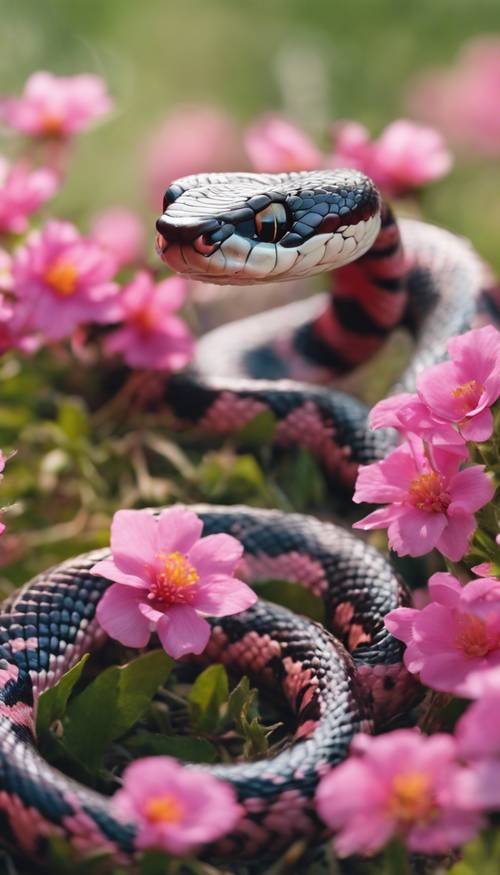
[
  {"x": 207, "y": 696},
  {"x": 259, "y": 431},
  {"x": 111, "y": 705},
  {"x": 303, "y": 480},
  {"x": 293, "y": 596},
  {"x": 52, "y": 703},
  {"x": 242, "y": 709},
  {"x": 73, "y": 419},
  {"x": 190, "y": 749}
]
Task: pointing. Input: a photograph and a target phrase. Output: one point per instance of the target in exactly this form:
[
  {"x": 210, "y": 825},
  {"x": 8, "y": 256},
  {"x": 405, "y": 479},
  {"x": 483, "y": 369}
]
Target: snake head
[{"x": 256, "y": 227}]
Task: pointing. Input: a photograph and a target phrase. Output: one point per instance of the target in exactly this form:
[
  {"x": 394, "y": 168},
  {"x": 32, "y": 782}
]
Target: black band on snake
[{"x": 247, "y": 229}]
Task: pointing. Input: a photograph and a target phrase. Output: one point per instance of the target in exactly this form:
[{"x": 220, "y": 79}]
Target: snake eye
[
  {"x": 271, "y": 223},
  {"x": 204, "y": 245}
]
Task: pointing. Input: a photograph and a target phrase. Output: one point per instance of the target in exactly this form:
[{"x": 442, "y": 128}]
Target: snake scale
[{"x": 249, "y": 229}]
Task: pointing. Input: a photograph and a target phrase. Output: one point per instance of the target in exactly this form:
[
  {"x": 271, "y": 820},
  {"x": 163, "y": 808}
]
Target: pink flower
[
  {"x": 455, "y": 637},
  {"x": 395, "y": 784},
  {"x": 463, "y": 100},
  {"x": 165, "y": 576},
  {"x": 119, "y": 231},
  {"x": 175, "y": 808},
  {"x": 410, "y": 415},
  {"x": 428, "y": 505},
  {"x": 478, "y": 743},
  {"x": 56, "y": 106},
  {"x": 192, "y": 139},
  {"x": 275, "y": 145},
  {"x": 462, "y": 391},
  {"x": 152, "y": 337},
  {"x": 22, "y": 192},
  {"x": 405, "y": 156},
  {"x": 62, "y": 280},
  {"x": 14, "y": 334}
]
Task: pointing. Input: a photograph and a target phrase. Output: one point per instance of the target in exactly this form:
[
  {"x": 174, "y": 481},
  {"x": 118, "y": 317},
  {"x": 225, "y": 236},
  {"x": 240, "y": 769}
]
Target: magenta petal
[
  {"x": 216, "y": 554},
  {"x": 133, "y": 541},
  {"x": 178, "y": 529},
  {"x": 119, "y": 615},
  {"x": 478, "y": 427},
  {"x": 415, "y": 532},
  {"x": 400, "y": 623},
  {"x": 470, "y": 490},
  {"x": 379, "y": 519},
  {"x": 220, "y": 596},
  {"x": 181, "y": 630},
  {"x": 387, "y": 480},
  {"x": 108, "y": 569},
  {"x": 454, "y": 539}
]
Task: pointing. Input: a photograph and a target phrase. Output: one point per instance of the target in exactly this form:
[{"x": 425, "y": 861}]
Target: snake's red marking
[
  {"x": 305, "y": 426},
  {"x": 369, "y": 298},
  {"x": 230, "y": 413},
  {"x": 27, "y": 824}
]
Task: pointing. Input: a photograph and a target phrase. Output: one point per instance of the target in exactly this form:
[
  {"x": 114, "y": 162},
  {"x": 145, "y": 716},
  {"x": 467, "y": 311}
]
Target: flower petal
[
  {"x": 216, "y": 554},
  {"x": 118, "y": 614},
  {"x": 178, "y": 529},
  {"x": 220, "y": 595},
  {"x": 181, "y": 630},
  {"x": 133, "y": 541}
]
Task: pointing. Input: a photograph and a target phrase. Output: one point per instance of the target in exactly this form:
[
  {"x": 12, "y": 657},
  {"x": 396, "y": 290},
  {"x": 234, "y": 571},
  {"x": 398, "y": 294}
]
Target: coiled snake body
[{"x": 248, "y": 228}]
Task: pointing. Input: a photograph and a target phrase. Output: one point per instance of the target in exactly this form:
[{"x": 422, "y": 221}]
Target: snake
[{"x": 338, "y": 678}]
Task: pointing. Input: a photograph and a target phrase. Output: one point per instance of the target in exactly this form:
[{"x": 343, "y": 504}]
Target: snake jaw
[{"x": 214, "y": 225}]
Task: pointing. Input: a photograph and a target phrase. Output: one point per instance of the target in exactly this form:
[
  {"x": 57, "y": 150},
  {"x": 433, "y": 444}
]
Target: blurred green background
[{"x": 315, "y": 60}]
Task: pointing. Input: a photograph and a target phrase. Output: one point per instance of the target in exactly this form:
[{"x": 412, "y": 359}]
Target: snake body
[{"x": 337, "y": 680}]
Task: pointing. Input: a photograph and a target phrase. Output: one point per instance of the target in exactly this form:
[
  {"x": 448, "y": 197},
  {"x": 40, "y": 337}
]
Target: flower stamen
[
  {"x": 62, "y": 277},
  {"x": 164, "y": 809},
  {"x": 428, "y": 492},
  {"x": 468, "y": 394},
  {"x": 473, "y": 636},
  {"x": 173, "y": 584},
  {"x": 411, "y": 800}
]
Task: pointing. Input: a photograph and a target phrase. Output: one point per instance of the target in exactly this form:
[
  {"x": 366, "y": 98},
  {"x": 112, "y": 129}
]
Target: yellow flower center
[
  {"x": 164, "y": 809},
  {"x": 51, "y": 124},
  {"x": 468, "y": 396},
  {"x": 62, "y": 277},
  {"x": 411, "y": 798},
  {"x": 173, "y": 583},
  {"x": 427, "y": 492},
  {"x": 473, "y": 636}
]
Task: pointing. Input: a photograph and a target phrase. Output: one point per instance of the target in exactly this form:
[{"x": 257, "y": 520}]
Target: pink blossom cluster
[
  {"x": 405, "y": 157},
  {"x": 430, "y": 490},
  {"x": 463, "y": 99},
  {"x": 56, "y": 281},
  {"x": 433, "y": 792}
]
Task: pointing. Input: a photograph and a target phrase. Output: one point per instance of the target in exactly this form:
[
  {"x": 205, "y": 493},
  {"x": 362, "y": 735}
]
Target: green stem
[{"x": 396, "y": 860}]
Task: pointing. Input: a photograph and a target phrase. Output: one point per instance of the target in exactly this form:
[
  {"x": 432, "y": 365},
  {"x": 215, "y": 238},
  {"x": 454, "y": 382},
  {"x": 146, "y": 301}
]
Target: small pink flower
[
  {"x": 275, "y": 145},
  {"x": 152, "y": 337},
  {"x": 405, "y": 156},
  {"x": 120, "y": 232},
  {"x": 14, "y": 334},
  {"x": 395, "y": 785},
  {"x": 174, "y": 808},
  {"x": 192, "y": 139},
  {"x": 62, "y": 280},
  {"x": 56, "y": 106},
  {"x": 408, "y": 414},
  {"x": 478, "y": 743},
  {"x": 455, "y": 637},
  {"x": 428, "y": 505},
  {"x": 463, "y": 100},
  {"x": 165, "y": 577},
  {"x": 463, "y": 390},
  {"x": 22, "y": 192}
]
